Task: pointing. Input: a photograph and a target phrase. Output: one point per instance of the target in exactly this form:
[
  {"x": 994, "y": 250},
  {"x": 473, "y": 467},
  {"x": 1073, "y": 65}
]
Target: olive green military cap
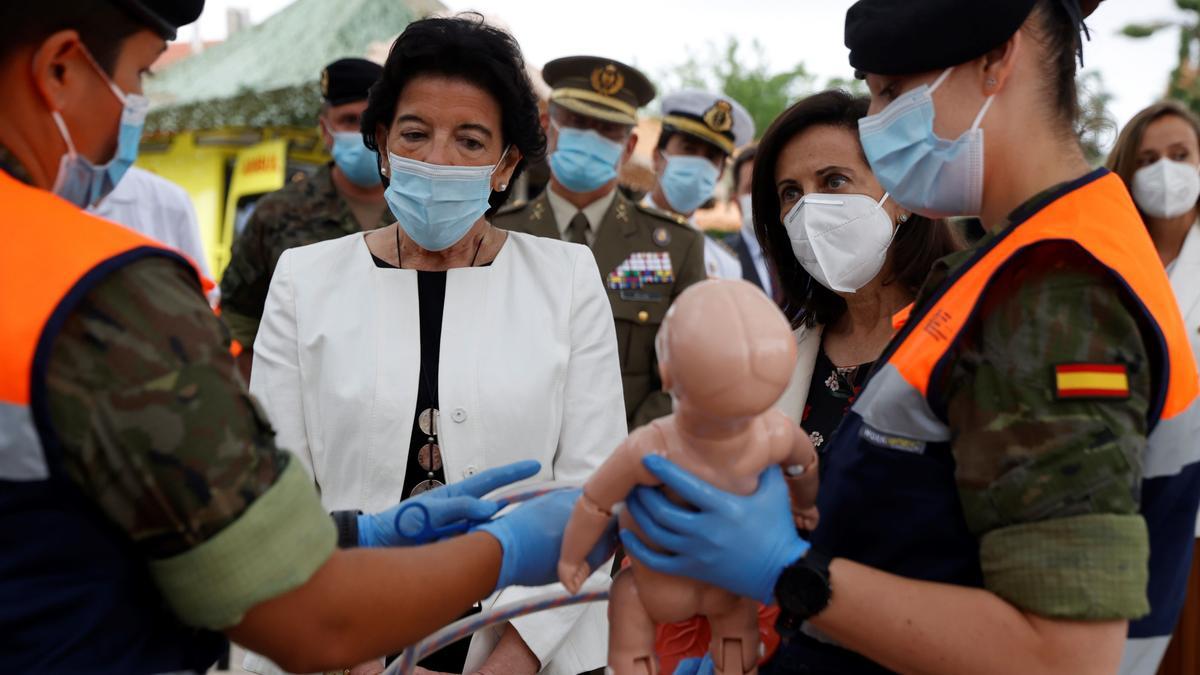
[{"x": 598, "y": 87}]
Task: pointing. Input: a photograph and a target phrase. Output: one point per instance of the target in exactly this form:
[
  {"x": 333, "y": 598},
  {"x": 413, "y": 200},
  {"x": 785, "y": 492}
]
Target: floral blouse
[{"x": 832, "y": 392}]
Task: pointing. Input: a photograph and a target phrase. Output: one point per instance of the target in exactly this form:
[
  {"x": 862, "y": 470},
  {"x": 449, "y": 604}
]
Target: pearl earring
[
  {"x": 903, "y": 218},
  {"x": 503, "y": 187}
]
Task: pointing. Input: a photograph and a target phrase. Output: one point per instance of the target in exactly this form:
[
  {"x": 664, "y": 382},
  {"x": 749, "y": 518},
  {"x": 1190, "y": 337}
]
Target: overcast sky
[{"x": 655, "y": 35}]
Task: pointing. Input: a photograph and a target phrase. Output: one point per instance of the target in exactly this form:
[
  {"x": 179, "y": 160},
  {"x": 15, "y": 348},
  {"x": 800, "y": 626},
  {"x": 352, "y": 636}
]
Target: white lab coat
[
  {"x": 159, "y": 209},
  {"x": 1185, "y": 281},
  {"x": 528, "y": 370}
]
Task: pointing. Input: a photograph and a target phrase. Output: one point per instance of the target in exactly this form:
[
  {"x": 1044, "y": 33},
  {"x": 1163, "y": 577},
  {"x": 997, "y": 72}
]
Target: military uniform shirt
[
  {"x": 564, "y": 211},
  {"x": 155, "y": 426},
  {"x": 304, "y": 212},
  {"x": 1028, "y": 465},
  {"x": 646, "y": 259},
  {"x": 720, "y": 262}
]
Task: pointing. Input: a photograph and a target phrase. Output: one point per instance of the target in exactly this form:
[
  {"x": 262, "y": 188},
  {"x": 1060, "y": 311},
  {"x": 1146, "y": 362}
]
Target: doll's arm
[
  {"x": 795, "y": 453},
  {"x": 607, "y": 487}
]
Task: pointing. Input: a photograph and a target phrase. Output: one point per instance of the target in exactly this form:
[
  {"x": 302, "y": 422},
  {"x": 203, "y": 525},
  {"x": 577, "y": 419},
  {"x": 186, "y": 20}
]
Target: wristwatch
[{"x": 803, "y": 591}]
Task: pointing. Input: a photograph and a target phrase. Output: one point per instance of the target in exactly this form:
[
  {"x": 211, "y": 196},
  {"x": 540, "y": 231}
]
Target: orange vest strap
[{"x": 50, "y": 246}]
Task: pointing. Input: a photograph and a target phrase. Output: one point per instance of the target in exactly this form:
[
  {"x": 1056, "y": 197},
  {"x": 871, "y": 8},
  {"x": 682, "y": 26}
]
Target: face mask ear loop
[
  {"x": 496, "y": 166},
  {"x": 62, "y": 130},
  {"x": 983, "y": 111},
  {"x": 941, "y": 78}
]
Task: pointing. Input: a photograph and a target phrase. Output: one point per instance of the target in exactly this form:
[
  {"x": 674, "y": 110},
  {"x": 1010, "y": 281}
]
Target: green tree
[
  {"x": 1183, "y": 85},
  {"x": 749, "y": 81},
  {"x": 1096, "y": 128}
]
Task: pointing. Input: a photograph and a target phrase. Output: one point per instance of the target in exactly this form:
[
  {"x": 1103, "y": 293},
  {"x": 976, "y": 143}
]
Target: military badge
[
  {"x": 642, "y": 269},
  {"x": 607, "y": 80},
  {"x": 662, "y": 236},
  {"x": 719, "y": 117},
  {"x": 324, "y": 83}
]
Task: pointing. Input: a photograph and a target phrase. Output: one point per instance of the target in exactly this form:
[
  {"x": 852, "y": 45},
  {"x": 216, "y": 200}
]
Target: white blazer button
[
  {"x": 458, "y": 415},
  {"x": 470, "y": 471}
]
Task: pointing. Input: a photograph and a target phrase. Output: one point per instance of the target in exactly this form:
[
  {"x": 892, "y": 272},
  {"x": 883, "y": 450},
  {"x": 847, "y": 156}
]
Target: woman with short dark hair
[{"x": 429, "y": 350}]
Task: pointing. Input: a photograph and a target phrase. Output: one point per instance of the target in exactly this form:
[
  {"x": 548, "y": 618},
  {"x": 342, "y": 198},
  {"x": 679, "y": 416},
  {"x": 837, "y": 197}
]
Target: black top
[
  {"x": 431, "y": 300},
  {"x": 832, "y": 391}
]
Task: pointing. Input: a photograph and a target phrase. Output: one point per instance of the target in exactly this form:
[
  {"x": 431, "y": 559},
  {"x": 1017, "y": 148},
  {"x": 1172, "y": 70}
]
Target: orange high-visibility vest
[
  {"x": 889, "y": 496},
  {"x": 77, "y": 591},
  {"x": 52, "y": 254}
]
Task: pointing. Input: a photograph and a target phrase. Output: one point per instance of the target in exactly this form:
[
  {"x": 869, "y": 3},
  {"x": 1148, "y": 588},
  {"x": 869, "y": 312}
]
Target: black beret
[
  {"x": 887, "y": 37},
  {"x": 891, "y": 37},
  {"x": 163, "y": 16},
  {"x": 348, "y": 80}
]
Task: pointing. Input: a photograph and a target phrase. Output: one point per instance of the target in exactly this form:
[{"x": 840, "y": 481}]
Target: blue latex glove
[
  {"x": 531, "y": 537},
  {"x": 712, "y": 542},
  {"x": 702, "y": 666},
  {"x": 445, "y": 507}
]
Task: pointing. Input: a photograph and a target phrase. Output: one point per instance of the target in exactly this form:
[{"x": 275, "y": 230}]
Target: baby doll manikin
[{"x": 725, "y": 354}]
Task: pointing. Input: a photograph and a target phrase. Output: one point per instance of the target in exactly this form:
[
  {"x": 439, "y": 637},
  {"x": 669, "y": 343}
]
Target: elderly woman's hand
[{"x": 423, "y": 519}]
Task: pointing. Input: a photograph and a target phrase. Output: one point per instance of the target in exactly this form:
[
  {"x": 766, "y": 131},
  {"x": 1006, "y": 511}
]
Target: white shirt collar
[{"x": 564, "y": 211}]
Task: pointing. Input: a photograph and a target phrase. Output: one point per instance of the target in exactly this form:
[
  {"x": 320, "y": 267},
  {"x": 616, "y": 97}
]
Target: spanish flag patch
[{"x": 1091, "y": 380}]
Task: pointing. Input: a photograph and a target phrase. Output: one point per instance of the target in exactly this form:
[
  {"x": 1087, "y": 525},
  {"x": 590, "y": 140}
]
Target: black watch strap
[
  {"x": 803, "y": 591},
  {"x": 347, "y": 528}
]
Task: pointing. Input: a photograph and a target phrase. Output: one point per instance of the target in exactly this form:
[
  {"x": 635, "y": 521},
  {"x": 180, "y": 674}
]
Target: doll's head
[{"x": 725, "y": 349}]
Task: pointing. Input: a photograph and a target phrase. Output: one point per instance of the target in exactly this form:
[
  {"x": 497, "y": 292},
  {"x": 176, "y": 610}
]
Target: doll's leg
[
  {"x": 734, "y": 646},
  {"x": 630, "y": 630}
]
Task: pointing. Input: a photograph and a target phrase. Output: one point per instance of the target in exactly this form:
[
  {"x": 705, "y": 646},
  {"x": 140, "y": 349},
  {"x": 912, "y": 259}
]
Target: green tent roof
[{"x": 268, "y": 73}]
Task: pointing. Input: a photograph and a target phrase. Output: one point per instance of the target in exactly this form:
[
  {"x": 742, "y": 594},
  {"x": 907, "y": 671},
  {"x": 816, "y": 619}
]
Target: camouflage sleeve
[
  {"x": 157, "y": 429},
  {"x": 1050, "y": 484},
  {"x": 246, "y": 279}
]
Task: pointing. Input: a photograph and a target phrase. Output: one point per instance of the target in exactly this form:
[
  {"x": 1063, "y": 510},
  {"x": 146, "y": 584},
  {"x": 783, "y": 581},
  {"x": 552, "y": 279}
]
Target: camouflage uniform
[
  {"x": 1027, "y": 464},
  {"x": 155, "y": 426},
  {"x": 304, "y": 212}
]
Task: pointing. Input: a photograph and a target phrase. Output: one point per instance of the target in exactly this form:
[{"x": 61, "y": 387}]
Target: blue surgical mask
[
  {"x": 930, "y": 175},
  {"x": 583, "y": 160},
  {"x": 437, "y": 204},
  {"x": 359, "y": 163},
  {"x": 688, "y": 181},
  {"x": 83, "y": 183}
]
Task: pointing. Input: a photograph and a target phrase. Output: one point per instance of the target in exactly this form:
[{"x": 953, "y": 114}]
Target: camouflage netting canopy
[{"x": 267, "y": 75}]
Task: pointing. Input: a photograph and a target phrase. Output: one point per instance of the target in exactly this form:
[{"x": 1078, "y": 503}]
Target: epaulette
[
  {"x": 673, "y": 218},
  {"x": 720, "y": 241},
  {"x": 512, "y": 207}
]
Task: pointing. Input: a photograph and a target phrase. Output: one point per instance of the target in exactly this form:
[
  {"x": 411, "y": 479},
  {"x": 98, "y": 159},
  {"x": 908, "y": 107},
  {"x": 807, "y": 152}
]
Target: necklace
[{"x": 429, "y": 457}]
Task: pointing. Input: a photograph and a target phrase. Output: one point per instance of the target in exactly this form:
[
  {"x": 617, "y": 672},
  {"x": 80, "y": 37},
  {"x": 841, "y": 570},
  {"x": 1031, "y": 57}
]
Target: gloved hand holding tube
[
  {"x": 531, "y": 538},
  {"x": 443, "y": 512},
  {"x": 708, "y": 539}
]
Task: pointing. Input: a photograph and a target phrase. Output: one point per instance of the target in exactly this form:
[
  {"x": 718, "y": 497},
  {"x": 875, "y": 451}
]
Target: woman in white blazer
[
  {"x": 1158, "y": 157},
  {"x": 812, "y": 152},
  {"x": 432, "y": 349}
]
